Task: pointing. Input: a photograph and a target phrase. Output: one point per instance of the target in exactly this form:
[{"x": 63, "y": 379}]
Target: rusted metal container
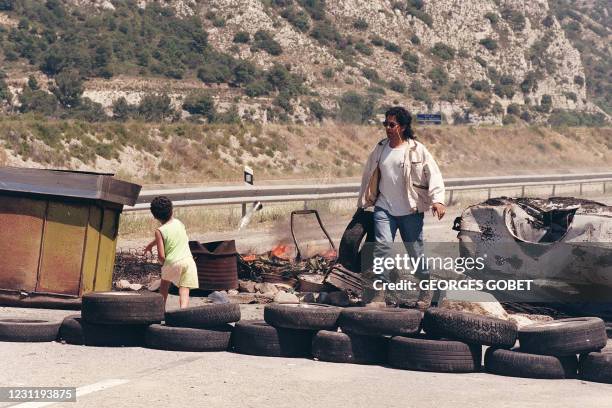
[
  {"x": 58, "y": 233},
  {"x": 217, "y": 264}
]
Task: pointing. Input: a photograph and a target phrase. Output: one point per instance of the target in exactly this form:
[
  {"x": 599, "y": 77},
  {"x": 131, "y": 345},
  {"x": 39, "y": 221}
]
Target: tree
[
  {"x": 200, "y": 104},
  {"x": 155, "y": 107},
  {"x": 68, "y": 88},
  {"x": 438, "y": 77},
  {"x": 355, "y": 108},
  {"x": 122, "y": 110}
]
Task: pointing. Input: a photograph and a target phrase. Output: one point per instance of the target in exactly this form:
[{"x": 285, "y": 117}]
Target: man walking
[{"x": 402, "y": 181}]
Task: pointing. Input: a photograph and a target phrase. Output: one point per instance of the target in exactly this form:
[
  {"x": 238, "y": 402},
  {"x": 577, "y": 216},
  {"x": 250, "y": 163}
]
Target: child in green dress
[{"x": 173, "y": 252}]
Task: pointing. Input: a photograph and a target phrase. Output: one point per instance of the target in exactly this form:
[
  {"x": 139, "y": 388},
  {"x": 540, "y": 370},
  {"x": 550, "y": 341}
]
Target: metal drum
[{"x": 217, "y": 264}]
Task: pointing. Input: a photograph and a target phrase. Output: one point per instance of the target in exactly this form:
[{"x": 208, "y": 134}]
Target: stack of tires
[
  {"x": 287, "y": 330},
  {"x": 200, "y": 328},
  {"x": 113, "y": 319},
  {"x": 550, "y": 350}
]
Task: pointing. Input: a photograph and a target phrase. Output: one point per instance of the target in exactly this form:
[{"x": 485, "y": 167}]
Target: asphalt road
[{"x": 137, "y": 377}]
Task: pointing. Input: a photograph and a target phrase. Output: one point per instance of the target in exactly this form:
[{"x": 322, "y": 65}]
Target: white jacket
[{"x": 424, "y": 182}]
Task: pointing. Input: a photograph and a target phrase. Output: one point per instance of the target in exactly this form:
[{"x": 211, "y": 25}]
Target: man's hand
[{"x": 438, "y": 209}]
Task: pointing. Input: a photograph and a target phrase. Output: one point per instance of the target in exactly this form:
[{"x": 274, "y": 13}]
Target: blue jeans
[{"x": 411, "y": 231}]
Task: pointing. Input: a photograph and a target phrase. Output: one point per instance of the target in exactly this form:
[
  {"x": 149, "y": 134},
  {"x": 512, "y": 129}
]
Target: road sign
[{"x": 429, "y": 118}]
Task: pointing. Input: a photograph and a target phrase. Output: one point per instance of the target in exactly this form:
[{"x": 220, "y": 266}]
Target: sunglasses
[{"x": 390, "y": 125}]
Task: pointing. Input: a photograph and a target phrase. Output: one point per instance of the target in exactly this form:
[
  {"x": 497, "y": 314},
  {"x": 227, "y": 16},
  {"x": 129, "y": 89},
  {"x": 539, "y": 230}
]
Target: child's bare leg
[
  {"x": 163, "y": 289},
  {"x": 183, "y": 297}
]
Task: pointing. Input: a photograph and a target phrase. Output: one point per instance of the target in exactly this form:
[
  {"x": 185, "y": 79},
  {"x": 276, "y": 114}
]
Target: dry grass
[{"x": 207, "y": 154}]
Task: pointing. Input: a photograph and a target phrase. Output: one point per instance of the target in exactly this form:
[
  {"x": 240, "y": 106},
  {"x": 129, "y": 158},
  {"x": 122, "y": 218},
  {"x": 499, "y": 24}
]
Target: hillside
[
  {"x": 302, "y": 61},
  {"x": 192, "y": 153}
]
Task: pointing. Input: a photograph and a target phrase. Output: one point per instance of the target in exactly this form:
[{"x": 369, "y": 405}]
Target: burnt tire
[
  {"x": 564, "y": 337},
  {"x": 303, "y": 316},
  {"x": 163, "y": 337},
  {"x": 76, "y": 331},
  {"x": 257, "y": 338},
  {"x": 445, "y": 356},
  {"x": 514, "y": 363},
  {"x": 28, "y": 330},
  {"x": 377, "y": 322},
  {"x": 469, "y": 327},
  {"x": 203, "y": 317},
  {"x": 338, "y": 347},
  {"x": 122, "y": 308},
  {"x": 361, "y": 225},
  {"x": 596, "y": 367}
]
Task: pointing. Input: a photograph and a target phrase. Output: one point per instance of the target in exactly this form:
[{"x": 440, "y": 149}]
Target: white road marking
[{"x": 80, "y": 391}]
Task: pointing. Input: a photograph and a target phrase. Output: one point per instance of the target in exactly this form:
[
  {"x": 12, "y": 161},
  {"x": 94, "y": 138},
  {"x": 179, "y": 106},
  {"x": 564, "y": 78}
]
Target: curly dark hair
[
  {"x": 161, "y": 208},
  {"x": 404, "y": 118}
]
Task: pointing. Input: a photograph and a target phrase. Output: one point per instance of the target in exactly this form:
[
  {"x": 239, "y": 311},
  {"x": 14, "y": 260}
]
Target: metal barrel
[{"x": 217, "y": 264}]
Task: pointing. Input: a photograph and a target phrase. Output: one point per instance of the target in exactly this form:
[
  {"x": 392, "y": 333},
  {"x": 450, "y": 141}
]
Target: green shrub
[
  {"x": 377, "y": 41},
  {"x": 263, "y": 41},
  {"x": 513, "y": 109},
  {"x": 370, "y": 74},
  {"x": 508, "y": 120},
  {"x": 571, "y": 96},
  {"x": 578, "y": 80},
  {"x": 328, "y": 73},
  {"x": 200, "y": 103},
  {"x": 360, "y": 24},
  {"x": 397, "y": 86},
  {"x": 317, "y": 110},
  {"x": 438, "y": 77},
  {"x": 392, "y": 47},
  {"x": 88, "y": 111},
  {"x": 298, "y": 19},
  {"x": 242, "y": 37},
  {"x": 481, "y": 85},
  {"x": 478, "y": 102},
  {"x": 153, "y": 107},
  {"x": 418, "y": 92},
  {"x": 572, "y": 118},
  {"x": 415, "y": 39},
  {"x": 68, "y": 88},
  {"x": 316, "y": 8},
  {"x": 122, "y": 110},
  {"x": 515, "y": 18},
  {"x": 355, "y": 108},
  {"x": 492, "y": 17},
  {"x": 411, "y": 62},
  {"x": 326, "y": 33},
  {"x": 530, "y": 83},
  {"x": 415, "y": 8},
  {"x": 545, "y": 103},
  {"x": 443, "y": 51},
  {"x": 38, "y": 101},
  {"x": 364, "y": 48},
  {"x": 489, "y": 43}
]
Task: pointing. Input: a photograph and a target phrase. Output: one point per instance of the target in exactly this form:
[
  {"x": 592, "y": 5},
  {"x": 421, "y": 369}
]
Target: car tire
[
  {"x": 257, "y": 338},
  {"x": 596, "y": 367},
  {"x": 361, "y": 225},
  {"x": 203, "y": 317},
  {"x": 377, "y": 322},
  {"x": 303, "y": 316},
  {"x": 469, "y": 327},
  {"x": 338, "y": 347},
  {"x": 422, "y": 354},
  {"x": 76, "y": 331},
  {"x": 514, "y": 363},
  {"x": 564, "y": 337},
  {"x": 122, "y": 308},
  {"x": 28, "y": 330},
  {"x": 163, "y": 337}
]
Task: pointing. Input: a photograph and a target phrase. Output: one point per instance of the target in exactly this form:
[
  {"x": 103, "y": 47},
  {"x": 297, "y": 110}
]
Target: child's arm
[
  {"x": 149, "y": 247},
  {"x": 161, "y": 254}
]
